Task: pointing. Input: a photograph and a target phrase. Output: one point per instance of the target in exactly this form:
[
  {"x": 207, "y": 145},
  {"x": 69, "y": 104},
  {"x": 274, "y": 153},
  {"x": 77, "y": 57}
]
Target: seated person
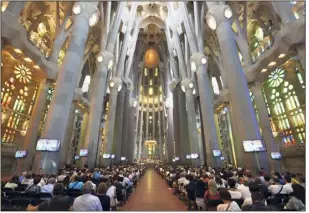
[
  {"x": 211, "y": 194},
  {"x": 49, "y": 187},
  {"x": 297, "y": 200},
  {"x": 258, "y": 203},
  {"x": 105, "y": 199},
  {"x": 13, "y": 183},
  {"x": 87, "y": 201},
  {"x": 228, "y": 204},
  {"x": 34, "y": 187},
  {"x": 57, "y": 203},
  {"x": 253, "y": 187},
  {"x": 27, "y": 180},
  {"x": 75, "y": 184},
  {"x": 235, "y": 193},
  {"x": 277, "y": 188}
]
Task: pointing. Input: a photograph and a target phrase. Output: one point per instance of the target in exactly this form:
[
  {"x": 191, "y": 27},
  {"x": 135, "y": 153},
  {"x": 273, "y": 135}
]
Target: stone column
[
  {"x": 31, "y": 137},
  {"x": 153, "y": 120},
  {"x": 58, "y": 113},
  {"x": 247, "y": 125},
  {"x": 264, "y": 123},
  {"x": 207, "y": 112},
  {"x": 118, "y": 129},
  {"x": 81, "y": 145},
  {"x": 184, "y": 134},
  {"x": 160, "y": 142},
  {"x": 188, "y": 85},
  {"x": 170, "y": 135},
  {"x": 127, "y": 139},
  {"x": 176, "y": 121},
  {"x": 131, "y": 134},
  {"x": 140, "y": 133},
  {"x": 147, "y": 119},
  {"x": 115, "y": 86},
  {"x": 96, "y": 108},
  {"x": 163, "y": 120},
  {"x": 15, "y": 7}
]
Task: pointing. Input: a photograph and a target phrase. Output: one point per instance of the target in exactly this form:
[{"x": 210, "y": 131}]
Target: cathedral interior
[{"x": 194, "y": 82}]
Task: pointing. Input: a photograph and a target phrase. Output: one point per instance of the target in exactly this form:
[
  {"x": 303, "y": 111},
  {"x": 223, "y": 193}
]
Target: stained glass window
[
  {"x": 276, "y": 77},
  {"x": 284, "y": 106}
]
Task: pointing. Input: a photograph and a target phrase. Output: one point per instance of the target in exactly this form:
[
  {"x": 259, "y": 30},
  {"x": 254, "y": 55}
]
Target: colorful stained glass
[{"x": 276, "y": 77}]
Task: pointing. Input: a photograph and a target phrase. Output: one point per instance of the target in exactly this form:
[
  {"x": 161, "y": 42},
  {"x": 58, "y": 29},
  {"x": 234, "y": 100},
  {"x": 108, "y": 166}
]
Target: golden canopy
[{"x": 151, "y": 58}]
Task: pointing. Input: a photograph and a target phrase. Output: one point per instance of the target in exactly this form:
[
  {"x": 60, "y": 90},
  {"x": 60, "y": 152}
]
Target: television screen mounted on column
[
  {"x": 254, "y": 146},
  {"x": 83, "y": 152},
  {"x": 217, "y": 153},
  {"x": 48, "y": 145},
  {"x": 21, "y": 154}
]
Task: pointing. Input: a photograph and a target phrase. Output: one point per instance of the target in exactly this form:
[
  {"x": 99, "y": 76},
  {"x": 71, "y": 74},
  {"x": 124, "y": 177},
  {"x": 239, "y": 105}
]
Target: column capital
[
  {"x": 106, "y": 58},
  {"x": 217, "y": 14},
  {"x": 115, "y": 82},
  {"x": 85, "y": 9},
  {"x": 187, "y": 85},
  {"x": 173, "y": 85},
  {"x": 197, "y": 59}
]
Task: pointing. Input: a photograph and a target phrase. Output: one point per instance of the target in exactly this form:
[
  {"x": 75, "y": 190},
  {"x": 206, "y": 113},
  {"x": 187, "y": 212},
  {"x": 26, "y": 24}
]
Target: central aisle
[{"x": 153, "y": 194}]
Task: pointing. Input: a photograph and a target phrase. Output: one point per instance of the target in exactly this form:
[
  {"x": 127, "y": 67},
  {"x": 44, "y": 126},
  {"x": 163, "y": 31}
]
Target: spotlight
[
  {"x": 228, "y": 12},
  {"x": 111, "y": 84},
  {"x": 193, "y": 66},
  {"x": 94, "y": 18},
  {"x": 191, "y": 85},
  {"x": 204, "y": 60},
  {"x": 77, "y": 9},
  {"x": 99, "y": 57},
  {"x": 211, "y": 21}
]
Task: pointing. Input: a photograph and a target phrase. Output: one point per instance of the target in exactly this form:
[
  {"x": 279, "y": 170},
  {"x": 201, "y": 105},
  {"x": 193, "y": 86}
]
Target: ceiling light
[
  {"x": 203, "y": 60},
  {"x": 193, "y": 66},
  {"x": 110, "y": 64},
  {"x": 264, "y": 70},
  {"x": 191, "y": 85},
  {"x": 94, "y": 18},
  {"x": 111, "y": 84},
  {"x": 119, "y": 87},
  {"x": 100, "y": 58},
  {"x": 150, "y": 117},
  {"x": 77, "y": 9},
  {"x": 272, "y": 63},
  {"x": 194, "y": 92},
  {"x": 281, "y": 56},
  {"x": 17, "y": 50},
  {"x": 228, "y": 12},
  {"x": 134, "y": 103},
  {"x": 183, "y": 88},
  {"x": 28, "y": 60},
  {"x": 211, "y": 21},
  {"x": 36, "y": 67}
]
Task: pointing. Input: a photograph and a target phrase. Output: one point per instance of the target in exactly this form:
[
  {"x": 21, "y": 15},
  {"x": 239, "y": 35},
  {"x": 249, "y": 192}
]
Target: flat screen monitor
[
  {"x": 254, "y": 146},
  {"x": 83, "y": 152},
  {"x": 105, "y": 156},
  {"x": 276, "y": 155},
  {"x": 76, "y": 157},
  {"x": 176, "y": 158},
  {"x": 222, "y": 158},
  {"x": 21, "y": 154},
  {"x": 195, "y": 156},
  {"x": 48, "y": 145},
  {"x": 123, "y": 158},
  {"x": 113, "y": 156},
  {"x": 217, "y": 153},
  {"x": 188, "y": 156}
]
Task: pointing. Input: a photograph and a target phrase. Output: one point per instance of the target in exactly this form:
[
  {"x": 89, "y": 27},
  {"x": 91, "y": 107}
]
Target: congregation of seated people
[
  {"x": 234, "y": 189},
  {"x": 100, "y": 189}
]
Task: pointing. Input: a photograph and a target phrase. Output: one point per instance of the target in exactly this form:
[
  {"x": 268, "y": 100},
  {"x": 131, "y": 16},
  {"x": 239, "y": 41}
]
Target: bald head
[{"x": 87, "y": 188}]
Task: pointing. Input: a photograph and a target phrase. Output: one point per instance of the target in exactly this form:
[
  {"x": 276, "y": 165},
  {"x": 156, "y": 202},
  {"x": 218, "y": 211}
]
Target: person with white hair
[
  {"x": 49, "y": 187},
  {"x": 87, "y": 201}
]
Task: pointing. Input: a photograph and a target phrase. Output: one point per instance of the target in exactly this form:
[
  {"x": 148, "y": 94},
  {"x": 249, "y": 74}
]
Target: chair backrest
[
  {"x": 238, "y": 201},
  {"x": 5, "y": 201},
  {"x": 214, "y": 203},
  {"x": 45, "y": 195},
  {"x": 6, "y": 189},
  {"x": 21, "y": 202},
  {"x": 75, "y": 194},
  {"x": 13, "y": 194},
  {"x": 20, "y": 188}
]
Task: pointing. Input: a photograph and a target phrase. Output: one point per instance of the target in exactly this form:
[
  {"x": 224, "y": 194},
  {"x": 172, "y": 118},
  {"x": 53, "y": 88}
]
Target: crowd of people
[
  {"x": 235, "y": 189},
  {"x": 99, "y": 189}
]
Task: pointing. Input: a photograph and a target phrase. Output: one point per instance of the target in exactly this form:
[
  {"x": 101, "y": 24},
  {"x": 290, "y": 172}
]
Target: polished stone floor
[{"x": 153, "y": 194}]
